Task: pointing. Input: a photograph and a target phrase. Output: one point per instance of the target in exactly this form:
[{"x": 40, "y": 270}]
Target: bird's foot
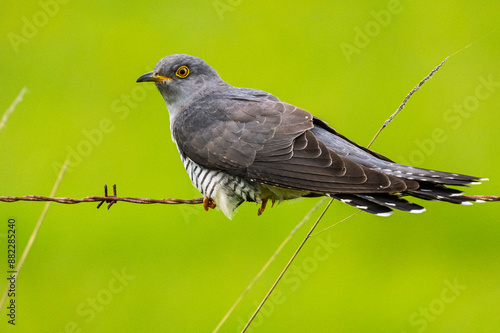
[
  {"x": 208, "y": 203},
  {"x": 262, "y": 207}
]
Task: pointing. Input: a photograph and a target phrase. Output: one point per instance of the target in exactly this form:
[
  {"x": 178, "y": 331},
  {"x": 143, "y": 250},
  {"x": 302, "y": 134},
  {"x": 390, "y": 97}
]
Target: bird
[{"x": 246, "y": 145}]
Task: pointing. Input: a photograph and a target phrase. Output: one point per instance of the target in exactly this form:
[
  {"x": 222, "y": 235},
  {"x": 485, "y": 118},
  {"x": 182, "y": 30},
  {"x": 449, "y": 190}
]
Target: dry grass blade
[
  {"x": 286, "y": 267},
  {"x": 415, "y": 89},
  {"x": 34, "y": 233},
  {"x": 12, "y": 107},
  {"x": 333, "y": 225},
  {"x": 266, "y": 265}
]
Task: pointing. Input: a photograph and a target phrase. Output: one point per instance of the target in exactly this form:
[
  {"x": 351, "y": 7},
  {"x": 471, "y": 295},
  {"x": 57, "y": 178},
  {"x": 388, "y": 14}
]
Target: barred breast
[{"x": 227, "y": 191}]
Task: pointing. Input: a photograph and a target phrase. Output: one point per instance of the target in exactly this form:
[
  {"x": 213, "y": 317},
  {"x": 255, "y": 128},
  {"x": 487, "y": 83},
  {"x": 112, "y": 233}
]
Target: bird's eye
[{"x": 182, "y": 72}]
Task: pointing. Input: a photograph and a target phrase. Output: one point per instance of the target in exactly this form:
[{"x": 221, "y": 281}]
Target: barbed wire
[
  {"x": 110, "y": 199},
  {"x": 485, "y": 197}
]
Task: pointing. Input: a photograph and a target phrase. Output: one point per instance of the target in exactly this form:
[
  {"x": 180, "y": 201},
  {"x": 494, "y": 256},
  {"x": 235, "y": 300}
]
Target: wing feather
[{"x": 255, "y": 136}]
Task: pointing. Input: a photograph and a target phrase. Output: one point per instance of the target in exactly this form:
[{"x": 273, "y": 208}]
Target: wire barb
[{"x": 114, "y": 196}]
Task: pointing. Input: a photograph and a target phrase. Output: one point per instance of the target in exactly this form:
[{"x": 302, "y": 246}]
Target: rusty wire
[
  {"x": 110, "y": 199},
  {"x": 485, "y": 197}
]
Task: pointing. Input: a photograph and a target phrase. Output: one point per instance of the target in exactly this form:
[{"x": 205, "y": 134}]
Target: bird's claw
[
  {"x": 262, "y": 207},
  {"x": 208, "y": 203}
]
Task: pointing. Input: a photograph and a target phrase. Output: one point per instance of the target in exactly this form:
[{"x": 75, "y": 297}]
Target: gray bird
[{"x": 240, "y": 144}]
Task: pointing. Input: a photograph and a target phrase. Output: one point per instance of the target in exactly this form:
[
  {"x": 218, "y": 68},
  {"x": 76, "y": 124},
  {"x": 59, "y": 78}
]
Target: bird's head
[{"x": 181, "y": 78}]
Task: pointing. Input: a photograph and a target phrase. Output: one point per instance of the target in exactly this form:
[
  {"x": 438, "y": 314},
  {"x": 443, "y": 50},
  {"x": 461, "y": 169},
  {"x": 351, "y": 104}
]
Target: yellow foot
[
  {"x": 262, "y": 207},
  {"x": 208, "y": 203}
]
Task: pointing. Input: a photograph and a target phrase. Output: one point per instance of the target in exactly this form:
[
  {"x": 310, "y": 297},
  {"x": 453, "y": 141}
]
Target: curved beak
[{"x": 153, "y": 77}]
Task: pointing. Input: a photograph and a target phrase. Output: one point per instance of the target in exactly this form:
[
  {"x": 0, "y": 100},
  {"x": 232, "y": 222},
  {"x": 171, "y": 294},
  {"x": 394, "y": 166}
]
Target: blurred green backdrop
[{"x": 159, "y": 268}]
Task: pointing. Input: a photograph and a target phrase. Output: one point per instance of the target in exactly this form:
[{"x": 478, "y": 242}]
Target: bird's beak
[{"x": 153, "y": 77}]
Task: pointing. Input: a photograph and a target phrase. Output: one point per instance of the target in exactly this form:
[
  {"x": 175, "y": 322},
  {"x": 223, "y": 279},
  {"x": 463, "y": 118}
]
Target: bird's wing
[{"x": 265, "y": 140}]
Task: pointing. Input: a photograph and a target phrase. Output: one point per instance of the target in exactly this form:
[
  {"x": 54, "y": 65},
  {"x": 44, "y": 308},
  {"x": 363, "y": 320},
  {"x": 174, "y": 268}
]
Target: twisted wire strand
[{"x": 110, "y": 199}]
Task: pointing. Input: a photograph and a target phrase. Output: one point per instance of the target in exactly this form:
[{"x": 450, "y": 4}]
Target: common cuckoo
[{"x": 240, "y": 144}]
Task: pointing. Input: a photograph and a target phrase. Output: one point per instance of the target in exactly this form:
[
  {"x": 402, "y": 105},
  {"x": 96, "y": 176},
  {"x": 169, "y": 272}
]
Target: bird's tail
[{"x": 382, "y": 204}]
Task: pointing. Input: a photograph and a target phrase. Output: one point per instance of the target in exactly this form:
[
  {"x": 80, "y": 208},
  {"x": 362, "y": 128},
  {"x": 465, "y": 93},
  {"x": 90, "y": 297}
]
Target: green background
[{"x": 186, "y": 267}]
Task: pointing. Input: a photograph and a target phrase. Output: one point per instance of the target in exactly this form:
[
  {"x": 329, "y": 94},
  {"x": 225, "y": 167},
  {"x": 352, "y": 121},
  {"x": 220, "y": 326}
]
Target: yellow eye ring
[{"x": 182, "y": 72}]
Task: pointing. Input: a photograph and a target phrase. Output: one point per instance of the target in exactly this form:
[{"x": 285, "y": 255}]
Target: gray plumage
[{"x": 242, "y": 144}]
